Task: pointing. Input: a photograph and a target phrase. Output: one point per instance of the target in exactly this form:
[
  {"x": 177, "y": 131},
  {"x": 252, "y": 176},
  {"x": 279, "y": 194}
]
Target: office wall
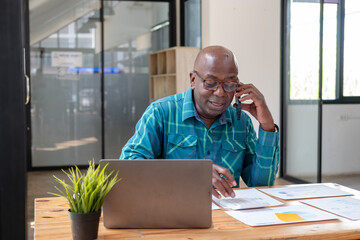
[
  {"x": 341, "y": 151},
  {"x": 302, "y": 140},
  {"x": 340, "y": 144},
  {"x": 251, "y": 29}
]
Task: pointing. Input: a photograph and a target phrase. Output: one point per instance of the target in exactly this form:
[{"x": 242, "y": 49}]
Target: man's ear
[{"x": 192, "y": 81}]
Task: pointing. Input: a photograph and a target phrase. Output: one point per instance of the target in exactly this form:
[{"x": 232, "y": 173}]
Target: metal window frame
[
  {"x": 339, "y": 96},
  {"x": 285, "y": 91}
]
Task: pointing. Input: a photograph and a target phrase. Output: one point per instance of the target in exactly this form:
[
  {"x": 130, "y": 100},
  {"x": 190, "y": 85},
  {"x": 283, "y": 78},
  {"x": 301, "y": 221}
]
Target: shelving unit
[{"x": 169, "y": 71}]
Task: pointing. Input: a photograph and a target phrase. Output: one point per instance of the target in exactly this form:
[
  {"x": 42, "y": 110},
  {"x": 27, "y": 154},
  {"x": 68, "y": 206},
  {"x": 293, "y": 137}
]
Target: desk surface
[{"x": 52, "y": 222}]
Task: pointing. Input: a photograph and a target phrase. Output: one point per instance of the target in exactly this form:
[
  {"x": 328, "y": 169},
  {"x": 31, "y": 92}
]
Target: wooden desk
[{"x": 52, "y": 222}]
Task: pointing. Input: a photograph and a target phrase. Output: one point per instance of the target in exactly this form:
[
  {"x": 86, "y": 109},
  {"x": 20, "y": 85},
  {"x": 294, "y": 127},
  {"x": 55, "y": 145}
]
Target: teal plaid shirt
[{"x": 171, "y": 128}]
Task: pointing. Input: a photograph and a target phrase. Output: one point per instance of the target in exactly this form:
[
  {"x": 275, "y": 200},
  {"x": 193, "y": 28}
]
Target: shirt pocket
[
  {"x": 181, "y": 146},
  {"x": 231, "y": 155}
]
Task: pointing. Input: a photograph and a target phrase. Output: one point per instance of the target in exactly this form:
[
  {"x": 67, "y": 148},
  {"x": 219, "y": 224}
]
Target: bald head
[
  {"x": 213, "y": 55},
  {"x": 213, "y": 64}
]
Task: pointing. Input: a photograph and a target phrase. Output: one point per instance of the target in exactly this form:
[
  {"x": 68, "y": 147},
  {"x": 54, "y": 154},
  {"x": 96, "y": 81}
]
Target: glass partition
[
  {"x": 192, "y": 23},
  {"x": 67, "y": 45},
  {"x": 131, "y": 33},
  {"x": 65, "y": 83}
]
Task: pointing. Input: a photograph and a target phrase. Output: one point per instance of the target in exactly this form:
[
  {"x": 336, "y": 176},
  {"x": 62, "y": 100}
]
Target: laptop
[{"x": 168, "y": 193}]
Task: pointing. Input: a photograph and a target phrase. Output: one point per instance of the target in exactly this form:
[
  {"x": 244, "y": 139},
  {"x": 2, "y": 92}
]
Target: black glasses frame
[{"x": 218, "y": 83}]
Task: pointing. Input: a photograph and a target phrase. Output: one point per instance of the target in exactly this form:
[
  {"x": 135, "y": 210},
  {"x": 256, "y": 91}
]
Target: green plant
[{"x": 87, "y": 192}]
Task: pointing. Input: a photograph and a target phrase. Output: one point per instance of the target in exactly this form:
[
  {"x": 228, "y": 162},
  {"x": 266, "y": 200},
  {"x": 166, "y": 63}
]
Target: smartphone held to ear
[{"x": 238, "y": 108}]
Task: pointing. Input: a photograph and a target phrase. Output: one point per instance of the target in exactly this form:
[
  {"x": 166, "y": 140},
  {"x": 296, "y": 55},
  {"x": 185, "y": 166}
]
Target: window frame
[{"x": 339, "y": 79}]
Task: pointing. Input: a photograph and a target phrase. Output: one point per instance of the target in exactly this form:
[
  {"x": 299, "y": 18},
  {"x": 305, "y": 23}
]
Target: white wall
[
  {"x": 302, "y": 140},
  {"x": 251, "y": 29},
  {"x": 340, "y": 146}
]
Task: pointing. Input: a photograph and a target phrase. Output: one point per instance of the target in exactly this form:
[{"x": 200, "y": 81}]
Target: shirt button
[{"x": 208, "y": 152}]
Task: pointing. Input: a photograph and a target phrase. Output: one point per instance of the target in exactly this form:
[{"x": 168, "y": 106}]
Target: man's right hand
[{"x": 222, "y": 180}]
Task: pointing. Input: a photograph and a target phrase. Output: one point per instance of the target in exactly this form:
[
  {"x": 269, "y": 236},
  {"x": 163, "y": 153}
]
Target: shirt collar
[{"x": 189, "y": 109}]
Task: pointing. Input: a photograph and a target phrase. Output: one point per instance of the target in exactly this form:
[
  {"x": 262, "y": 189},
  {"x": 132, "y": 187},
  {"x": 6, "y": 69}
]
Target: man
[{"x": 200, "y": 124}]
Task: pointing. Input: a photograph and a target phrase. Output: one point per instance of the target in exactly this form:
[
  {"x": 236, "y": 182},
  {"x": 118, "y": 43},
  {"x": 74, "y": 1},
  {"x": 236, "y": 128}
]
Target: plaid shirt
[{"x": 171, "y": 128}]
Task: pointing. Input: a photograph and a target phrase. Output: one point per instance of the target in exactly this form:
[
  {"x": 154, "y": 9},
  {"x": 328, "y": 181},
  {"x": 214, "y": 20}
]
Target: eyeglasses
[{"x": 213, "y": 85}]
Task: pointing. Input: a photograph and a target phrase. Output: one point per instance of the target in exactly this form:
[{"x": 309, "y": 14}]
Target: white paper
[
  {"x": 304, "y": 191},
  {"x": 66, "y": 59},
  {"x": 348, "y": 207},
  {"x": 280, "y": 215},
  {"x": 247, "y": 198},
  {"x": 214, "y": 206}
]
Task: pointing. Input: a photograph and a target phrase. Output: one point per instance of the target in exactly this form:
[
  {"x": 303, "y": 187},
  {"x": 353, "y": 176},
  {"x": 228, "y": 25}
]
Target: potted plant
[{"x": 86, "y": 194}]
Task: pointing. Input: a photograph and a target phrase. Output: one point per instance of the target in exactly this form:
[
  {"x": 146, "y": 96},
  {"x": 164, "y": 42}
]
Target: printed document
[
  {"x": 304, "y": 191},
  {"x": 348, "y": 207},
  {"x": 280, "y": 215},
  {"x": 247, "y": 198}
]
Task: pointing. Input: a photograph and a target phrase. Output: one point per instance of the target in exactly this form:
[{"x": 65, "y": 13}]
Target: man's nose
[{"x": 219, "y": 91}]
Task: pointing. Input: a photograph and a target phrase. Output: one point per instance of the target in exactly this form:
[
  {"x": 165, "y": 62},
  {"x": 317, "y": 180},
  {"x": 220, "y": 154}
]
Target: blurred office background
[{"x": 88, "y": 68}]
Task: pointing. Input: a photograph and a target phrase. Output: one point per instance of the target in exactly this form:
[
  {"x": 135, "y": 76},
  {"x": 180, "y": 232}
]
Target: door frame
[
  {"x": 13, "y": 178},
  {"x": 284, "y": 91}
]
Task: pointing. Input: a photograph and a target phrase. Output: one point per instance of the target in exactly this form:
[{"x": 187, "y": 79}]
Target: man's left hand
[{"x": 257, "y": 108}]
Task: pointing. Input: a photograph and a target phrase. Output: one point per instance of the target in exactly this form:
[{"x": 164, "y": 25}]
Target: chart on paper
[
  {"x": 348, "y": 207},
  {"x": 280, "y": 215},
  {"x": 305, "y": 191}
]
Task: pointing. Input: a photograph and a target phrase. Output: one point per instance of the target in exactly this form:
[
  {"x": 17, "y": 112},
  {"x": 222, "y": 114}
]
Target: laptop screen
[{"x": 159, "y": 193}]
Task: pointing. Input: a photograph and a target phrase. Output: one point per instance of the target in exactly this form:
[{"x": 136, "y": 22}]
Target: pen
[{"x": 232, "y": 194}]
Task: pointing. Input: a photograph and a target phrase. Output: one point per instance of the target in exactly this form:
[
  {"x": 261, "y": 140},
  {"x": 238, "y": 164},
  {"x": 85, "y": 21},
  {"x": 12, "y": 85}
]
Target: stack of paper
[
  {"x": 348, "y": 207},
  {"x": 247, "y": 198}
]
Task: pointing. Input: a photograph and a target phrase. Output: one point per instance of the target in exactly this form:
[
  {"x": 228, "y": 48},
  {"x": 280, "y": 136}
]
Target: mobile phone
[{"x": 238, "y": 108}]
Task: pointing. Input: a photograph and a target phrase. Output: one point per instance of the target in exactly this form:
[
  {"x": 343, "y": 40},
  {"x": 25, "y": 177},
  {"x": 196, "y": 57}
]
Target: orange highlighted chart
[
  {"x": 280, "y": 215},
  {"x": 289, "y": 217}
]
